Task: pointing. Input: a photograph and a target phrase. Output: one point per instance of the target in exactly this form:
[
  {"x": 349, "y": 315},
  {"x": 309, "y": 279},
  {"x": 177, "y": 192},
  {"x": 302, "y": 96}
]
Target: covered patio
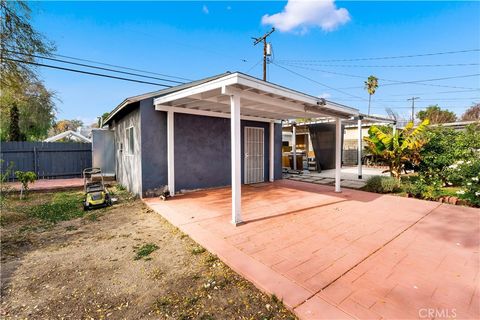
[
  {"x": 240, "y": 97},
  {"x": 349, "y": 255}
]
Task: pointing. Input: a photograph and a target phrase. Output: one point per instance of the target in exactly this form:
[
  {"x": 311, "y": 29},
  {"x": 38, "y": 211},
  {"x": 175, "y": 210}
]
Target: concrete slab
[{"x": 329, "y": 255}]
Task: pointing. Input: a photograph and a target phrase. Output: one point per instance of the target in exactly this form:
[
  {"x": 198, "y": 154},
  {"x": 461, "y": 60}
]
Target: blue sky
[{"x": 199, "y": 39}]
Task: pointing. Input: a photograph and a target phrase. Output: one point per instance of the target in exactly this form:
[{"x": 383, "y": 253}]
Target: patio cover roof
[{"x": 260, "y": 100}]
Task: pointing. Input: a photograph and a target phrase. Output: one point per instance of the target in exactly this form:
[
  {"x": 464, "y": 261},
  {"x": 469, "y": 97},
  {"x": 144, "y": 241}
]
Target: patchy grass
[
  {"x": 145, "y": 250},
  {"x": 63, "y": 206},
  {"x": 197, "y": 250}
]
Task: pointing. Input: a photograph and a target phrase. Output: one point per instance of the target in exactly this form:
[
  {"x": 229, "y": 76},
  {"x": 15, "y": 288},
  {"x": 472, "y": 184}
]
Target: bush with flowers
[
  {"x": 450, "y": 159},
  {"x": 468, "y": 173}
]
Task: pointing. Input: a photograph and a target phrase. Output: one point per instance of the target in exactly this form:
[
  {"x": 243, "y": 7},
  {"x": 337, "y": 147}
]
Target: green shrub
[
  {"x": 446, "y": 150},
  {"x": 382, "y": 184},
  {"x": 422, "y": 188},
  {"x": 25, "y": 177}
]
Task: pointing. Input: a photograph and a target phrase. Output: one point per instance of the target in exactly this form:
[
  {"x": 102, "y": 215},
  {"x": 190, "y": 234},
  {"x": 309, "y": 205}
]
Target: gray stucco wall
[
  {"x": 202, "y": 151},
  {"x": 154, "y": 148},
  {"x": 128, "y": 166}
]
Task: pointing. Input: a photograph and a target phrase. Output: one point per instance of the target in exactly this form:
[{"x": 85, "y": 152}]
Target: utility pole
[
  {"x": 264, "y": 40},
  {"x": 413, "y": 107}
]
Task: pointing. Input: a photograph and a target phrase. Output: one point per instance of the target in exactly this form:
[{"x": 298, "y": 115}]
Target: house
[{"x": 219, "y": 131}]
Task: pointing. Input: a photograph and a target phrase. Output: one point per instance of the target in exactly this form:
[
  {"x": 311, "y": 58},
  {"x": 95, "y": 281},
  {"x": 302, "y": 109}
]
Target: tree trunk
[
  {"x": 369, "y": 99},
  {"x": 14, "y": 133}
]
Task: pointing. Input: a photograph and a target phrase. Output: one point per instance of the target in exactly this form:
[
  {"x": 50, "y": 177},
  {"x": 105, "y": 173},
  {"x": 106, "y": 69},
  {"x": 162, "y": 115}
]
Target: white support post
[
  {"x": 170, "y": 152},
  {"x": 338, "y": 153},
  {"x": 360, "y": 148},
  {"x": 271, "y": 160},
  {"x": 394, "y": 129},
  {"x": 294, "y": 146},
  {"x": 236, "y": 159}
]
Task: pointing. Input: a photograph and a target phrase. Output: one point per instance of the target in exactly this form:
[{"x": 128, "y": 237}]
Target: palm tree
[{"x": 371, "y": 86}]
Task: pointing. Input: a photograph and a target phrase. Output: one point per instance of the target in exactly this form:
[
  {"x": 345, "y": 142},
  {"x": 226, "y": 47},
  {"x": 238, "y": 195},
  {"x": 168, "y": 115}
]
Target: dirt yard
[{"x": 123, "y": 262}]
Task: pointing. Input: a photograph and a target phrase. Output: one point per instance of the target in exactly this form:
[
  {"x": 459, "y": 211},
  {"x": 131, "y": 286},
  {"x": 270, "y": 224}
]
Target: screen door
[{"x": 254, "y": 155}]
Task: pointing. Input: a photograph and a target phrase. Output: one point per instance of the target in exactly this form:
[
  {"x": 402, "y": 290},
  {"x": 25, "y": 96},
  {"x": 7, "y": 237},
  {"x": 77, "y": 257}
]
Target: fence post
[{"x": 35, "y": 169}]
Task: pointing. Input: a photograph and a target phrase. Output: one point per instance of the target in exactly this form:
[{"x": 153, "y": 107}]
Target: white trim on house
[
  {"x": 338, "y": 153},
  {"x": 236, "y": 154},
  {"x": 211, "y": 114},
  {"x": 171, "y": 152},
  {"x": 271, "y": 153},
  {"x": 130, "y": 150}
]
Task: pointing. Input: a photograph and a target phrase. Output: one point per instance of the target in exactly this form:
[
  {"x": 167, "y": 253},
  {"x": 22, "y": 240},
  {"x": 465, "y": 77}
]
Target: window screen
[{"x": 130, "y": 141}]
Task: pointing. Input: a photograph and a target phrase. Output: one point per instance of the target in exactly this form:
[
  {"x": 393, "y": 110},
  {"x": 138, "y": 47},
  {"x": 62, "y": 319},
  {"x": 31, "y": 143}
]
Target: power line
[
  {"x": 443, "y": 107},
  {"x": 256, "y": 64},
  {"x": 86, "y": 72},
  {"x": 439, "y": 92},
  {"x": 389, "y": 57},
  {"x": 397, "y": 82},
  {"x": 315, "y": 81},
  {"x": 400, "y": 100},
  {"x": 95, "y": 67},
  {"x": 387, "y": 66},
  {"x": 120, "y": 67}
]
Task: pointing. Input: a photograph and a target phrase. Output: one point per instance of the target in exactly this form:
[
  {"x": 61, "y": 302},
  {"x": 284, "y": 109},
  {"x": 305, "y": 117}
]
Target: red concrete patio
[{"x": 342, "y": 256}]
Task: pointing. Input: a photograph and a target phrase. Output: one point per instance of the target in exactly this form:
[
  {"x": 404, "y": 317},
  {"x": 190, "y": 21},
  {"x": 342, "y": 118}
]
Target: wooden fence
[{"x": 47, "y": 159}]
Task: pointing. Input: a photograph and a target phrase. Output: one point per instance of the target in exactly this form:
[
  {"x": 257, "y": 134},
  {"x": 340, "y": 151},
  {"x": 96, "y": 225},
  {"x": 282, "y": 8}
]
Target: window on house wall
[{"x": 130, "y": 145}]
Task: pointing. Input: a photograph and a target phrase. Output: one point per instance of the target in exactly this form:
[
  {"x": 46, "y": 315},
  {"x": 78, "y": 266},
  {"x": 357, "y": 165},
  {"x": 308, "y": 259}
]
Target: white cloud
[
  {"x": 205, "y": 9},
  {"x": 300, "y": 15}
]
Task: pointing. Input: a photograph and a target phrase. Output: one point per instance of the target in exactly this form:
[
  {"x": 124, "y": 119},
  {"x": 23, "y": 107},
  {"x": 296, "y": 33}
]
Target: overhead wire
[
  {"x": 387, "y": 66},
  {"x": 87, "y": 72},
  {"x": 396, "y": 82},
  {"x": 114, "y": 66},
  {"x": 95, "y": 67},
  {"x": 387, "y": 57},
  {"x": 317, "y": 82}
]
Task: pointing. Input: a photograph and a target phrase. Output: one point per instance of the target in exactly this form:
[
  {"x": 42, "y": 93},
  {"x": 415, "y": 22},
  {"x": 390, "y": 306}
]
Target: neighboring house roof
[
  {"x": 158, "y": 93},
  {"x": 68, "y": 134},
  {"x": 457, "y": 124}
]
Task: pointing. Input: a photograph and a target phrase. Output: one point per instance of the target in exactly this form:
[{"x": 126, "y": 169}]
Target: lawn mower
[{"x": 96, "y": 194}]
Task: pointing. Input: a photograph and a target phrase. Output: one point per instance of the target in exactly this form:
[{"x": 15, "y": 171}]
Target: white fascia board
[
  {"x": 264, "y": 99},
  {"x": 211, "y": 85},
  {"x": 291, "y": 94},
  {"x": 211, "y": 113},
  {"x": 237, "y": 78}
]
